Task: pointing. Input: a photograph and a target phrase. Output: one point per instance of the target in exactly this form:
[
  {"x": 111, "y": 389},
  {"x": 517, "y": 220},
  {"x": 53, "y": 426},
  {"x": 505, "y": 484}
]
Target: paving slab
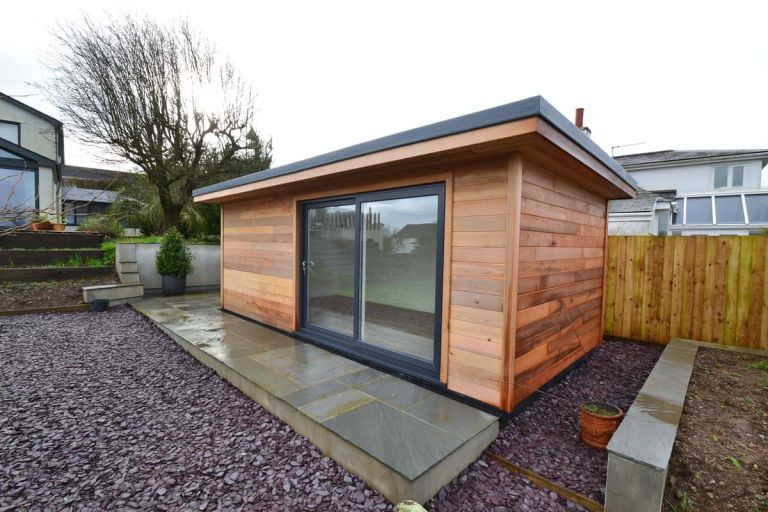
[{"x": 404, "y": 440}]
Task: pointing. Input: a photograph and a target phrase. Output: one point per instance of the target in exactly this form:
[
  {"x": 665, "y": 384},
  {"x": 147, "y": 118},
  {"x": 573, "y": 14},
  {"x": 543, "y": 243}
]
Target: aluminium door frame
[{"x": 354, "y": 345}]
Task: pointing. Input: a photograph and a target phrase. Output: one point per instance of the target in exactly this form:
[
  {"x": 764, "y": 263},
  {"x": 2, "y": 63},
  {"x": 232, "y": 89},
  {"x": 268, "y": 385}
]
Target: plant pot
[
  {"x": 100, "y": 305},
  {"x": 41, "y": 226},
  {"x": 598, "y": 422},
  {"x": 58, "y": 226},
  {"x": 173, "y": 285}
]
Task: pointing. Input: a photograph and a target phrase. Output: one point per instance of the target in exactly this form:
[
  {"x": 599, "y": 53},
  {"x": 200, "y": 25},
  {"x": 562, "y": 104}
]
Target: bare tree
[{"x": 160, "y": 97}]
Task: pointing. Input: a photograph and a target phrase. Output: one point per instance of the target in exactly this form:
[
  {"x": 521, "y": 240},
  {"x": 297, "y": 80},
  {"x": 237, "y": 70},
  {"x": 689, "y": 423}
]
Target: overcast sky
[{"x": 672, "y": 75}]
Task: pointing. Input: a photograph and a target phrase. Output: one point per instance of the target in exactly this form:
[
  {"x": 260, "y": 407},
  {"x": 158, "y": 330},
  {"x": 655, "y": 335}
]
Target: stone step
[
  {"x": 130, "y": 278},
  {"x": 126, "y": 267},
  {"x": 114, "y": 293}
]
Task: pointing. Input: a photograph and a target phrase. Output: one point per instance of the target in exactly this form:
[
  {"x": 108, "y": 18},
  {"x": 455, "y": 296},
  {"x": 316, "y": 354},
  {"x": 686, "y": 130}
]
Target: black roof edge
[
  {"x": 535, "y": 106},
  {"x": 13, "y": 101},
  {"x": 26, "y": 154}
]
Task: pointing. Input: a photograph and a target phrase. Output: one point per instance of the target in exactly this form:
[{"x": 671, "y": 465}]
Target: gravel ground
[
  {"x": 545, "y": 436},
  {"x": 102, "y": 411}
]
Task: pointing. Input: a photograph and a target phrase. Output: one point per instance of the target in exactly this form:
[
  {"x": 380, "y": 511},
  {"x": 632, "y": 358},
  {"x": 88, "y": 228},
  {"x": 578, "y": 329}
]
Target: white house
[
  {"x": 31, "y": 156},
  {"x": 708, "y": 192},
  {"x": 33, "y": 177}
]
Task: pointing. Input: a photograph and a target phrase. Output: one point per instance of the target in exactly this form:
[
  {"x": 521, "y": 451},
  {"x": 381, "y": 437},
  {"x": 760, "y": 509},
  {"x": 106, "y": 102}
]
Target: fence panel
[{"x": 707, "y": 288}]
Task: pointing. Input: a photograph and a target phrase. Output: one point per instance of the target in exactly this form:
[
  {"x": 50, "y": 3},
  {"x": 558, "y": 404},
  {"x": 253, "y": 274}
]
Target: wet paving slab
[{"x": 407, "y": 429}]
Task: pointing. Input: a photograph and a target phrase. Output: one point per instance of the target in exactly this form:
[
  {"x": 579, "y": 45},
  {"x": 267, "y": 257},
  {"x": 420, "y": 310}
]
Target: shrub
[
  {"x": 174, "y": 257},
  {"x": 100, "y": 223},
  {"x": 108, "y": 250}
]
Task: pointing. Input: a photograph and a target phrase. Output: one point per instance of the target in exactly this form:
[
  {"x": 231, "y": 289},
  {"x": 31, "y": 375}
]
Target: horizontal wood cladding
[
  {"x": 258, "y": 260},
  {"x": 560, "y": 277},
  {"x": 478, "y": 280}
]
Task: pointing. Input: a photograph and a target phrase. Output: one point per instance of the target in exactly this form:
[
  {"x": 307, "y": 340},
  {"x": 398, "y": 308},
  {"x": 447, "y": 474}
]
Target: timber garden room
[{"x": 467, "y": 256}]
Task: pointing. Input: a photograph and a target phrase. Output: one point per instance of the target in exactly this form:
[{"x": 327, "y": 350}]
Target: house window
[
  {"x": 17, "y": 195},
  {"x": 729, "y": 210},
  {"x": 726, "y": 177},
  {"x": 10, "y": 131},
  {"x": 757, "y": 208},
  {"x": 698, "y": 210},
  {"x": 76, "y": 212}
]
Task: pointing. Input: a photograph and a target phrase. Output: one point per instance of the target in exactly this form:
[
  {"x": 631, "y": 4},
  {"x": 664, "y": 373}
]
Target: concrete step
[
  {"x": 114, "y": 293},
  {"x": 126, "y": 267},
  {"x": 130, "y": 278}
]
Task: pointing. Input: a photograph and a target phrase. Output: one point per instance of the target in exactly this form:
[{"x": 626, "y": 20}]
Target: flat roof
[{"x": 535, "y": 106}]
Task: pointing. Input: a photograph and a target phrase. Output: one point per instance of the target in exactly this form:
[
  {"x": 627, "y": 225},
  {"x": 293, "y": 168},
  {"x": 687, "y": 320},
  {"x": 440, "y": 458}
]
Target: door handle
[{"x": 307, "y": 266}]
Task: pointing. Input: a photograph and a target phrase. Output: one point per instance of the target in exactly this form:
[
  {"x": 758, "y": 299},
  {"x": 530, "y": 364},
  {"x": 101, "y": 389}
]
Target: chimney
[
  {"x": 579, "y": 118},
  {"x": 579, "y": 122}
]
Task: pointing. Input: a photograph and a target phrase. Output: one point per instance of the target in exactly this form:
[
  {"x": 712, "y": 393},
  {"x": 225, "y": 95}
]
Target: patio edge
[{"x": 391, "y": 484}]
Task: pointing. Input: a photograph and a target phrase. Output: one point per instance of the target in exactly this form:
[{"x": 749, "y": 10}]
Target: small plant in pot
[
  {"x": 598, "y": 422},
  {"x": 40, "y": 222},
  {"x": 174, "y": 262}
]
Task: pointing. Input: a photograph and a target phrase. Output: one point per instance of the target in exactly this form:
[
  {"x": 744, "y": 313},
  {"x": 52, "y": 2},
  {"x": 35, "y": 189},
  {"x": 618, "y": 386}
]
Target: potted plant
[
  {"x": 174, "y": 262},
  {"x": 598, "y": 422},
  {"x": 58, "y": 226},
  {"x": 40, "y": 222}
]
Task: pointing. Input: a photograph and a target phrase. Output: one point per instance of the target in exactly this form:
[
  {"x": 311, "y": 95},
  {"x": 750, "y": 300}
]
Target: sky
[{"x": 650, "y": 75}]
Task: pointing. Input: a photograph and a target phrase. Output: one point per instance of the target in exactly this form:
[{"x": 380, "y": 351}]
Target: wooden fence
[{"x": 707, "y": 288}]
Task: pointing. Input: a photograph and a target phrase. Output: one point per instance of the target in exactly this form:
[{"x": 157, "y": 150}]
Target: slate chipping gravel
[{"x": 103, "y": 411}]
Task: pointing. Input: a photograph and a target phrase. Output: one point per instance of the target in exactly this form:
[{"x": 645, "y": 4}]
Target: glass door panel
[
  {"x": 399, "y": 255},
  {"x": 329, "y": 267}
]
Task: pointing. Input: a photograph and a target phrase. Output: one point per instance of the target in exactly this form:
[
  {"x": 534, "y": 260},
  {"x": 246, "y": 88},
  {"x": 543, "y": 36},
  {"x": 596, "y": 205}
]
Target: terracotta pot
[
  {"x": 597, "y": 429},
  {"x": 41, "y": 226},
  {"x": 57, "y": 226}
]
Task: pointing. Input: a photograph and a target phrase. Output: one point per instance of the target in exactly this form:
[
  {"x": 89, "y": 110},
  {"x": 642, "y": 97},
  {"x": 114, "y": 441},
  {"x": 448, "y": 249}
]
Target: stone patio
[{"x": 401, "y": 439}]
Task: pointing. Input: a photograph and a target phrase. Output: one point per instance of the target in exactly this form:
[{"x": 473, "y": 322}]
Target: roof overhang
[{"x": 530, "y": 126}]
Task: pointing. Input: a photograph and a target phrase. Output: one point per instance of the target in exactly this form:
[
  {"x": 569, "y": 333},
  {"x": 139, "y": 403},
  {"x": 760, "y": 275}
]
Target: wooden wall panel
[
  {"x": 560, "y": 277},
  {"x": 478, "y": 281},
  {"x": 258, "y": 263}
]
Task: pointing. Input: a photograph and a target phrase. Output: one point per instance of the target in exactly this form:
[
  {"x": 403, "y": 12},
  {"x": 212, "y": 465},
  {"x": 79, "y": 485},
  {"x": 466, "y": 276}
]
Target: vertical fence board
[{"x": 707, "y": 288}]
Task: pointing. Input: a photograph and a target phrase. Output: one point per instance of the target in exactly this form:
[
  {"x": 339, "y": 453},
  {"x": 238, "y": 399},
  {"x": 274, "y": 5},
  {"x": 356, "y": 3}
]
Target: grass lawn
[{"x": 416, "y": 294}]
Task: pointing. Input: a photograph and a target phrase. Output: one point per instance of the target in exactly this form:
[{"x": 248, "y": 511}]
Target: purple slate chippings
[{"x": 102, "y": 411}]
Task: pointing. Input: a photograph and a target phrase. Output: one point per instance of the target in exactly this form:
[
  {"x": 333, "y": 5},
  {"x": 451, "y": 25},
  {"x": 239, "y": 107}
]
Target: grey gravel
[{"x": 102, "y": 411}]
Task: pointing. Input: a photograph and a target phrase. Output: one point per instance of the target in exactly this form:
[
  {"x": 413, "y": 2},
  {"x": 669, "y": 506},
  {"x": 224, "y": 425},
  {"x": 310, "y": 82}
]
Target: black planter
[
  {"x": 100, "y": 305},
  {"x": 173, "y": 285}
]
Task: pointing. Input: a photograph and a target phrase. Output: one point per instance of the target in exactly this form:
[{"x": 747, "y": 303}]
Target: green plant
[
  {"x": 760, "y": 365},
  {"x": 40, "y": 217},
  {"x": 174, "y": 257},
  {"x": 681, "y": 506},
  {"x": 101, "y": 223},
  {"x": 94, "y": 262},
  {"x": 108, "y": 251},
  {"x": 601, "y": 410}
]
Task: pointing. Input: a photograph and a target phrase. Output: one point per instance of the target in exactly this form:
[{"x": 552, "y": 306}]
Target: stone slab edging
[
  {"x": 639, "y": 452},
  {"x": 388, "y": 481}
]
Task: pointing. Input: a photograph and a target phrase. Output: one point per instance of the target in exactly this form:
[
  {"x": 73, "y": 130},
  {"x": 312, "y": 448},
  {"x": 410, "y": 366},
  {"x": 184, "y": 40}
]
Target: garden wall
[
  {"x": 706, "y": 288},
  {"x": 205, "y": 275}
]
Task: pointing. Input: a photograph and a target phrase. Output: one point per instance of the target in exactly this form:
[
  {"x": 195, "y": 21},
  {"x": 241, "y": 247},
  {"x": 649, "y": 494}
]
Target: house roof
[
  {"x": 92, "y": 173},
  {"x": 417, "y": 230},
  {"x": 645, "y": 201},
  {"x": 690, "y": 155},
  {"x": 89, "y": 195},
  {"x": 523, "y": 109},
  {"x": 42, "y": 115},
  {"x": 25, "y": 153}
]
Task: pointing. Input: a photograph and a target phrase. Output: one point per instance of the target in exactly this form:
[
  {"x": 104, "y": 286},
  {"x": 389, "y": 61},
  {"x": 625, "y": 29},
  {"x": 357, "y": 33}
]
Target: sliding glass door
[{"x": 372, "y": 279}]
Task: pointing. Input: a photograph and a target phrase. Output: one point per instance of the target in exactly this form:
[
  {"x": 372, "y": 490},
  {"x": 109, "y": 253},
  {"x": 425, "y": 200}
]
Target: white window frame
[{"x": 729, "y": 175}]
